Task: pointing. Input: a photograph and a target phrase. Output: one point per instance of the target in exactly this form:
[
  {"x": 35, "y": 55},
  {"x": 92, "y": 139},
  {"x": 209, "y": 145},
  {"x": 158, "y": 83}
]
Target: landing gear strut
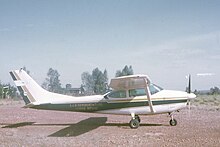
[
  {"x": 173, "y": 122},
  {"x": 135, "y": 121},
  {"x": 138, "y": 118}
]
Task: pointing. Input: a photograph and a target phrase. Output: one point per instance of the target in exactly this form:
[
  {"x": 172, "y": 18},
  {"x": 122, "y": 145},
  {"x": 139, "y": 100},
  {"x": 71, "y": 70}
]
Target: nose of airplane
[{"x": 191, "y": 96}]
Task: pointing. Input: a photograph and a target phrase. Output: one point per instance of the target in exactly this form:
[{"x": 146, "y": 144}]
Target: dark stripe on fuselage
[
  {"x": 22, "y": 90},
  {"x": 92, "y": 107},
  {"x": 25, "y": 98},
  {"x": 29, "y": 95},
  {"x": 16, "y": 75},
  {"x": 13, "y": 76}
]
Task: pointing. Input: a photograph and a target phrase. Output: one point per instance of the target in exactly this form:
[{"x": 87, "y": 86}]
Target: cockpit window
[
  {"x": 134, "y": 92},
  {"x": 117, "y": 94},
  {"x": 154, "y": 88},
  {"x": 137, "y": 92}
]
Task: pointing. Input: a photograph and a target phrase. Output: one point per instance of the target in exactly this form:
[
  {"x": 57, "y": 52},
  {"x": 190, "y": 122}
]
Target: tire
[
  {"x": 134, "y": 123},
  {"x": 173, "y": 122}
]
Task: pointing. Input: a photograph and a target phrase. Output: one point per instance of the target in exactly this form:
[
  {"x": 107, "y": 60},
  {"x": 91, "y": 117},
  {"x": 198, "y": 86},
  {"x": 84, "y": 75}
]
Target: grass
[{"x": 207, "y": 100}]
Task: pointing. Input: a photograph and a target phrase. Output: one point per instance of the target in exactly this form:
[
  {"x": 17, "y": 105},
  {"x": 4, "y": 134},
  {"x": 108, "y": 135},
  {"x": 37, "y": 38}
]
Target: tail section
[{"x": 28, "y": 88}]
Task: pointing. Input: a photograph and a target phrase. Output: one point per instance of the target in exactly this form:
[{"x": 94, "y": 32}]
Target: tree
[
  {"x": 125, "y": 71},
  {"x": 12, "y": 91},
  {"x": 106, "y": 80},
  {"x": 87, "y": 83},
  {"x": 1, "y": 90},
  {"x": 6, "y": 90},
  {"x": 100, "y": 81},
  {"x": 96, "y": 82},
  {"x": 52, "y": 82},
  {"x": 214, "y": 90}
]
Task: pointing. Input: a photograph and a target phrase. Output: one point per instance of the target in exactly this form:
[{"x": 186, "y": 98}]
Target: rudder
[{"x": 24, "y": 84}]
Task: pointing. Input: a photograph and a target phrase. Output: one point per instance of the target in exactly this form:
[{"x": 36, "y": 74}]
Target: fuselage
[
  {"x": 163, "y": 102},
  {"x": 132, "y": 94}
]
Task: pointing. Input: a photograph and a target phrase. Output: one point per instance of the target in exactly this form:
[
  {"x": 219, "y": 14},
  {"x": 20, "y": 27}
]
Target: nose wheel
[
  {"x": 135, "y": 121},
  {"x": 134, "y": 124},
  {"x": 173, "y": 122}
]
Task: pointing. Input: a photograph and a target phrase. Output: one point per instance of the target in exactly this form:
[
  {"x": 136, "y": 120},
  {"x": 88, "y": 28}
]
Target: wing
[{"x": 129, "y": 82}]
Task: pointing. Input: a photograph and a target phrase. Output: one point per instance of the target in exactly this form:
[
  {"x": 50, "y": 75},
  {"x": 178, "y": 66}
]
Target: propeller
[
  {"x": 189, "y": 84},
  {"x": 190, "y": 94},
  {"x": 189, "y": 91}
]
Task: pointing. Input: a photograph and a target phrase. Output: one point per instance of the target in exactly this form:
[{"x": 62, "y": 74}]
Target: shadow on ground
[
  {"x": 22, "y": 124},
  {"x": 79, "y": 128},
  {"x": 90, "y": 124}
]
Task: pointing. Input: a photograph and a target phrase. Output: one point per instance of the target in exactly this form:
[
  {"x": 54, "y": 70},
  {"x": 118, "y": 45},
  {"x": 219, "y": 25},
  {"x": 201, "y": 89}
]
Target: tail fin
[{"x": 28, "y": 88}]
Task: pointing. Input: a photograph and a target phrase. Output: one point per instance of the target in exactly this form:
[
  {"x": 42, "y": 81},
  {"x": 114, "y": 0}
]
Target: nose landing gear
[
  {"x": 173, "y": 122},
  {"x": 135, "y": 121},
  {"x": 134, "y": 124}
]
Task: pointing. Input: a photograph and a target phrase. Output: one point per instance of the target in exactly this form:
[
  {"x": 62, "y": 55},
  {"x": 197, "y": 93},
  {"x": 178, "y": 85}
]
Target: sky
[{"x": 165, "y": 39}]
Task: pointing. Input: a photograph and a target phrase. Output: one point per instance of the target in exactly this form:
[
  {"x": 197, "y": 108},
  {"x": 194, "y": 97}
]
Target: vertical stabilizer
[{"x": 28, "y": 88}]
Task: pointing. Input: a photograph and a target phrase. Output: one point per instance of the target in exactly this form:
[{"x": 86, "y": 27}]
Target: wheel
[
  {"x": 173, "y": 122},
  {"x": 134, "y": 123},
  {"x": 138, "y": 118}
]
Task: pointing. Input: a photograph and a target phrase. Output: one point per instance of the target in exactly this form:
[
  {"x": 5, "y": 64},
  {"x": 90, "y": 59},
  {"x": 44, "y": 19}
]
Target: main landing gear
[
  {"x": 135, "y": 121},
  {"x": 173, "y": 122}
]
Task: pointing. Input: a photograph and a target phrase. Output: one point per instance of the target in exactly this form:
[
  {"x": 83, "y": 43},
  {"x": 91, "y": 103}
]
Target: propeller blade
[
  {"x": 189, "y": 86},
  {"x": 189, "y": 108},
  {"x": 189, "y": 104}
]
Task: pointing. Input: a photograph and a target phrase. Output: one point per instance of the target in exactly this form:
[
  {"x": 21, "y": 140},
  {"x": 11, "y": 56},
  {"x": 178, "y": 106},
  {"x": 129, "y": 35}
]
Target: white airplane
[{"x": 132, "y": 95}]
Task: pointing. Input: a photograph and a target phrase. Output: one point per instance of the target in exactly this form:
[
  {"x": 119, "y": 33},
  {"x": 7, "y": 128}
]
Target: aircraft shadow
[
  {"x": 90, "y": 124},
  {"x": 22, "y": 124},
  {"x": 79, "y": 128}
]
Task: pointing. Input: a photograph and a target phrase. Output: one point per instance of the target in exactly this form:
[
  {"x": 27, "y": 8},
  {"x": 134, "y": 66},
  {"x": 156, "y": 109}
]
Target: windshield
[{"x": 154, "y": 88}]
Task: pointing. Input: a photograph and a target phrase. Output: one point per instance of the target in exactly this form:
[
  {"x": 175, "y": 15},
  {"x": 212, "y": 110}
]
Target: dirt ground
[{"x": 28, "y": 127}]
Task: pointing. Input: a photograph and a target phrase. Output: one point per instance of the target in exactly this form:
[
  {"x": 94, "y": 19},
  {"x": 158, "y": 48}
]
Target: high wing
[
  {"x": 133, "y": 82},
  {"x": 129, "y": 82}
]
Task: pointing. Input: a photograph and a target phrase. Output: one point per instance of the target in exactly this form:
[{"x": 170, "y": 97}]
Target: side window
[
  {"x": 137, "y": 92},
  {"x": 117, "y": 94}
]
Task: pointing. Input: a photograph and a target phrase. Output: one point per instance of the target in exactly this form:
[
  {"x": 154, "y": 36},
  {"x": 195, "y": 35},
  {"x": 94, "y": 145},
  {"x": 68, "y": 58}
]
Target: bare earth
[{"x": 28, "y": 127}]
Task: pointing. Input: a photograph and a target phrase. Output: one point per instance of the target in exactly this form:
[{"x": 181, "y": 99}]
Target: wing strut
[{"x": 148, "y": 96}]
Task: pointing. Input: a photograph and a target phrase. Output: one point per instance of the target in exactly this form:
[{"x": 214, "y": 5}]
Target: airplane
[{"x": 132, "y": 95}]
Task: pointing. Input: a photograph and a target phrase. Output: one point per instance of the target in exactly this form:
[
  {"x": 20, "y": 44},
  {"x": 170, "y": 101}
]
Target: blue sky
[{"x": 163, "y": 39}]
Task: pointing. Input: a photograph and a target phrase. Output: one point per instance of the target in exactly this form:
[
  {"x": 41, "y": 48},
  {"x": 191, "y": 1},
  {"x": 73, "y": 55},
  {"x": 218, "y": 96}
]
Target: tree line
[
  {"x": 7, "y": 91},
  {"x": 93, "y": 83},
  {"x": 212, "y": 91}
]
